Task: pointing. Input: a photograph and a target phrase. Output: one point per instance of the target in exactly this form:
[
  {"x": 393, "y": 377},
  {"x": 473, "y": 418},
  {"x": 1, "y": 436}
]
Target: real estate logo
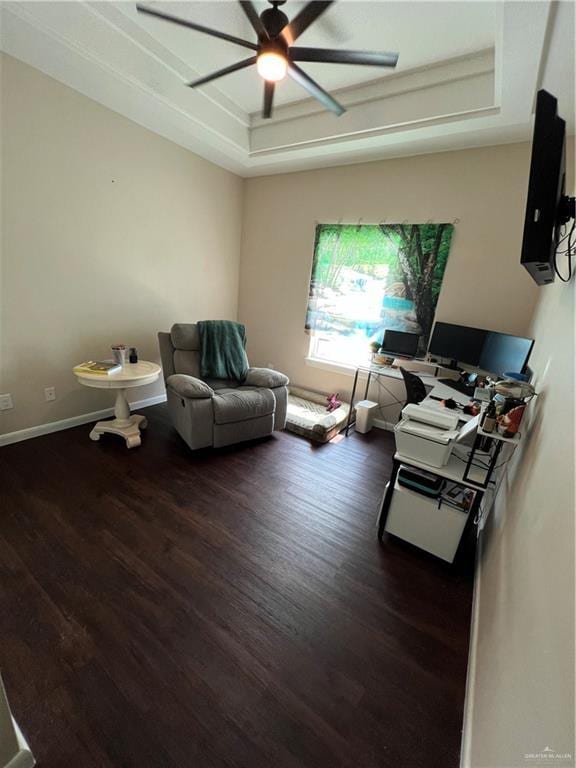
[{"x": 547, "y": 754}]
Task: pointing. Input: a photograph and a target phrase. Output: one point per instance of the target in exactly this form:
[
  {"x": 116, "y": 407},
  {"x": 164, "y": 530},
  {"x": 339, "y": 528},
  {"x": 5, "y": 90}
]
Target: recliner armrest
[
  {"x": 188, "y": 386},
  {"x": 265, "y": 377}
]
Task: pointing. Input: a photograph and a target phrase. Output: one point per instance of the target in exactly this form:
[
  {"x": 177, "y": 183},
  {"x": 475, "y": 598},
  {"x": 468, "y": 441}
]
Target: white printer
[{"x": 427, "y": 434}]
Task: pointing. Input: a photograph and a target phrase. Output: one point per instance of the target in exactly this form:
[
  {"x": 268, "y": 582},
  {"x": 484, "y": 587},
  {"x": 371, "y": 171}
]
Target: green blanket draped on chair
[{"x": 222, "y": 353}]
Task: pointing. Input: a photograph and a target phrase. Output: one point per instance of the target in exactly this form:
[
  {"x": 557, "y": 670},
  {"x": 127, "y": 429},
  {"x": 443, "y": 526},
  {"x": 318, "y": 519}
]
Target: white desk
[
  {"x": 445, "y": 392},
  {"x": 436, "y": 388},
  {"x": 458, "y": 470}
]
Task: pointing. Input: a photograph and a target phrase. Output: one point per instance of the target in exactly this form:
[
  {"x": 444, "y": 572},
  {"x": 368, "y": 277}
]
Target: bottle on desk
[{"x": 489, "y": 420}]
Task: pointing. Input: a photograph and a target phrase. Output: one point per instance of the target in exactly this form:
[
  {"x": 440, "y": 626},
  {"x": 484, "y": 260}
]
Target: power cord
[
  {"x": 568, "y": 251},
  {"x": 496, "y": 489},
  {"x": 564, "y": 235},
  {"x": 480, "y": 464},
  {"x": 464, "y": 460}
]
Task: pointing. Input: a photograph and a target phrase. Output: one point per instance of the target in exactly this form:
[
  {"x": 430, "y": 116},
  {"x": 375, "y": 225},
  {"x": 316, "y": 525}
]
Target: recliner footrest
[{"x": 242, "y": 404}]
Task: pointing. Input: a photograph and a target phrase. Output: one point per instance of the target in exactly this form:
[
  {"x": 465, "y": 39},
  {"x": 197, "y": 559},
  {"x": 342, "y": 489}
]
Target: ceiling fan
[{"x": 275, "y": 54}]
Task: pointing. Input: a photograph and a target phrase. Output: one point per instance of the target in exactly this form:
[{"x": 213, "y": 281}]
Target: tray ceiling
[
  {"x": 424, "y": 32},
  {"x": 467, "y": 75}
]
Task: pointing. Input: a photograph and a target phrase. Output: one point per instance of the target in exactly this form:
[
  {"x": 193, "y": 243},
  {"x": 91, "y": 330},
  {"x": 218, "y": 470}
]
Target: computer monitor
[
  {"x": 457, "y": 342},
  {"x": 489, "y": 350},
  {"x": 502, "y": 352},
  {"x": 400, "y": 343}
]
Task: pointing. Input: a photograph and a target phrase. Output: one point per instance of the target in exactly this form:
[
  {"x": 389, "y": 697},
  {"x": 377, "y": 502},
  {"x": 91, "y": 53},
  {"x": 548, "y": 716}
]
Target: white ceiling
[
  {"x": 467, "y": 75},
  {"x": 422, "y": 32},
  {"x": 558, "y": 63}
]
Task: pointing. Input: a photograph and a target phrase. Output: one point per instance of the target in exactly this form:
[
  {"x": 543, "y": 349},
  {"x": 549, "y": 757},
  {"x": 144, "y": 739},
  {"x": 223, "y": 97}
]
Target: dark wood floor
[{"x": 232, "y": 608}]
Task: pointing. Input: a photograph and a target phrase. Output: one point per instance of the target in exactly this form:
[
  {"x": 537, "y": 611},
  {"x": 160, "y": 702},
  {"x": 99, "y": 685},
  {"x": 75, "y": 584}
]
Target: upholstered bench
[{"x": 306, "y": 415}]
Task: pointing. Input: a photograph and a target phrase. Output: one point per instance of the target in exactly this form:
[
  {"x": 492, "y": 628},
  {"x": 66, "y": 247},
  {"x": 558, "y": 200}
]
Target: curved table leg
[{"x": 125, "y": 425}]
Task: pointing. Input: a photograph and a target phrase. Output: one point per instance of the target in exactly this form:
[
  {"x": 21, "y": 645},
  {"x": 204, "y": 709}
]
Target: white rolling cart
[
  {"x": 439, "y": 525},
  {"x": 434, "y": 524}
]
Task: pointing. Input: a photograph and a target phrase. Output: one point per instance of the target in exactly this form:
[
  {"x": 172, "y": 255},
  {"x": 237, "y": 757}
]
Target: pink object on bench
[{"x": 333, "y": 402}]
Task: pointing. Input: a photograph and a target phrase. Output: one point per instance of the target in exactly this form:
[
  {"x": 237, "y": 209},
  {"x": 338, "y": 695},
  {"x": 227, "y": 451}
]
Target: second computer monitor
[{"x": 503, "y": 352}]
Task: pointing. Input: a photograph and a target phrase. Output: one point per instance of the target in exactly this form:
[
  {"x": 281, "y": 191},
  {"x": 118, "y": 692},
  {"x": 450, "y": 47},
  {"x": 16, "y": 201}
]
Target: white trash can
[{"x": 365, "y": 413}]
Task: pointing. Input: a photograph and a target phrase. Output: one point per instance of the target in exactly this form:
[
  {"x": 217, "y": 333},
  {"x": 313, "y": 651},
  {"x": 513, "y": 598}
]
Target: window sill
[{"x": 346, "y": 369}]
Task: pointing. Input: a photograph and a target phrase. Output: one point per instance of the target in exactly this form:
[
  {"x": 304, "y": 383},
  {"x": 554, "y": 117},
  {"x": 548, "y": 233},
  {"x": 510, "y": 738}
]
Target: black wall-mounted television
[{"x": 548, "y": 208}]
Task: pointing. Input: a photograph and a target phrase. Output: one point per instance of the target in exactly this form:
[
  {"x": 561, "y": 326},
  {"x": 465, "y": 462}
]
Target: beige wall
[
  {"x": 483, "y": 284},
  {"x": 109, "y": 233},
  {"x": 521, "y": 696},
  {"x": 521, "y": 684}
]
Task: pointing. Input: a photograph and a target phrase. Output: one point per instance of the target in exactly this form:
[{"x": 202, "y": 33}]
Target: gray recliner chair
[{"x": 218, "y": 412}]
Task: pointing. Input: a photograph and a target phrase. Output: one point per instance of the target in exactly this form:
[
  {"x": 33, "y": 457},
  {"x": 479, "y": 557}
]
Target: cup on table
[{"x": 119, "y": 352}]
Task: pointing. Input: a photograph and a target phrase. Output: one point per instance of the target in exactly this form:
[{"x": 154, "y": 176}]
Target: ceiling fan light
[{"x": 271, "y": 66}]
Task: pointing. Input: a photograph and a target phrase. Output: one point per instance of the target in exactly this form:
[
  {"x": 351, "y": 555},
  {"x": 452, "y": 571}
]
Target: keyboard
[{"x": 459, "y": 386}]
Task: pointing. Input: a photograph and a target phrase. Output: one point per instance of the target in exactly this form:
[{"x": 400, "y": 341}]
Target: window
[{"x": 370, "y": 277}]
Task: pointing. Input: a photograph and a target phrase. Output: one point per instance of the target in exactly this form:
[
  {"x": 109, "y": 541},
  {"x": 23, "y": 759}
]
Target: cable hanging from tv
[{"x": 567, "y": 252}]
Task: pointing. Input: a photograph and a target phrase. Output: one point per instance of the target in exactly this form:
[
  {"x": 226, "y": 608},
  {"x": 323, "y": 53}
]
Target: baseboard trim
[
  {"x": 148, "y": 401},
  {"x": 381, "y": 424},
  {"x": 466, "y": 744},
  {"x": 73, "y": 421}
]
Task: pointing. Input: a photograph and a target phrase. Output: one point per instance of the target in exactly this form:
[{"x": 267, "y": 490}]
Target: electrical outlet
[
  {"x": 6, "y": 402},
  {"x": 50, "y": 393}
]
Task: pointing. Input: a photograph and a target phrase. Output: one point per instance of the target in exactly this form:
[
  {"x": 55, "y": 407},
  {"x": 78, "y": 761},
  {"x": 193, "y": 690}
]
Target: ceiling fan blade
[
  {"x": 315, "y": 90},
  {"x": 268, "y": 98},
  {"x": 196, "y": 27},
  {"x": 221, "y": 72},
  {"x": 302, "y": 20},
  {"x": 254, "y": 19},
  {"x": 331, "y": 56}
]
